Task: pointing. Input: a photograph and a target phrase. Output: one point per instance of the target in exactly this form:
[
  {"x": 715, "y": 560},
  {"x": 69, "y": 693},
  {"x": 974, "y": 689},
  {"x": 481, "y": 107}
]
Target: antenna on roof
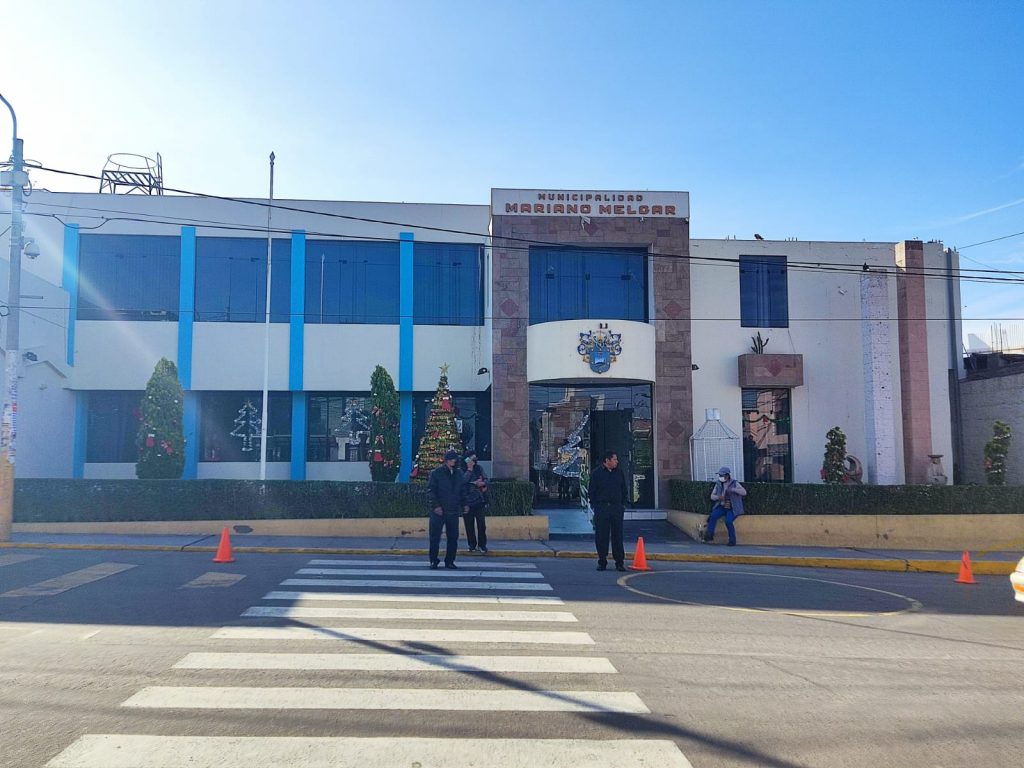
[{"x": 125, "y": 173}]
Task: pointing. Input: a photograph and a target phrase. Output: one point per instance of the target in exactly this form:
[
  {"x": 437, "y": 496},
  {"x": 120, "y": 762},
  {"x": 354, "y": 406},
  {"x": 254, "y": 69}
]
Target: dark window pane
[
  {"x": 447, "y": 284},
  {"x": 128, "y": 277},
  {"x": 580, "y": 283},
  {"x": 338, "y": 425},
  {"x": 351, "y": 282},
  {"x": 112, "y": 426},
  {"x": 764, "y": 292},
  {"x": 230, "y": 426},
  {"x": 231, "y": 279}
]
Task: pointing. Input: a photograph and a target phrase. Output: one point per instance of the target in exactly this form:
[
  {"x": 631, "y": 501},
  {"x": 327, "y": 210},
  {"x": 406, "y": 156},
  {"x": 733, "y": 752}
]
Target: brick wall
[
  {"x": 673, "y": 394},
  {"x": 914, "y": 384}
]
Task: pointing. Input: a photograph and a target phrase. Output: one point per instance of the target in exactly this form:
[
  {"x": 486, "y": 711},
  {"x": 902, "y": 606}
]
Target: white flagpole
[{"x": 266, "y": 336}]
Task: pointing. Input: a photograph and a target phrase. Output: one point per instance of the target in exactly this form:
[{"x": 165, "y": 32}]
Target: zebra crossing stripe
[
  {"x": 107, "y": 751},
  {"x": 416, "y": 634},
  {"x": 389, "y": 597},
  {"x": 448, "y": 700},
  {"x": 512, "y": 586},
  {"x": 406, "y": 614},
  {"x": 398, "y": 662},
  {"x": 13, "y": 559},
  {"x": 68, "y": 581},
  {"x": 417, "y": 564},
  {"x": 460, "y": 573}
]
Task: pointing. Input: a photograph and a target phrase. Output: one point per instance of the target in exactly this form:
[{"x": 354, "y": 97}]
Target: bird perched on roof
[{"x": 758, "y": 237}]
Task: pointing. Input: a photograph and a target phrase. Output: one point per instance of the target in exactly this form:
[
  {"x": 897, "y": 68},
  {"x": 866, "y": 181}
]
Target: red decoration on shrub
[{"x": 150, "y": 441}]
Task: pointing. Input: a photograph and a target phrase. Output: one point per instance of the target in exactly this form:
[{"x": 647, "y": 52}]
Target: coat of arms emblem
[{"x": 600, "y": 348}]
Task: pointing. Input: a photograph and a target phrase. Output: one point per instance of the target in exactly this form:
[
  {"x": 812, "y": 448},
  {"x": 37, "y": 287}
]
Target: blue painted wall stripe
[
  {"x": 80, "y": 436},
  {"x": 406, "y": 349},
  {"x": 190, "y": 419},
  {"x": 70, "y": 284},
  {"x": 298, "y": 436},
  {"x": 186, "y": 305},
  {"x": 297, "y": 324}
]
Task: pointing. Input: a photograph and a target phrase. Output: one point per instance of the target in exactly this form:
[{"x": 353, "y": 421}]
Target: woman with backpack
[{"x": 476, "y": 499}]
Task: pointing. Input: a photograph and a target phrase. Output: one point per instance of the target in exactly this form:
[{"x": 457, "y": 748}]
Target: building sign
[{"x": 590, "y": 203}]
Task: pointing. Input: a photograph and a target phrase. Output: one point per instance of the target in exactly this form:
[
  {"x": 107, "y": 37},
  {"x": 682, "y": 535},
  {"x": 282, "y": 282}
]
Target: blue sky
[{"x": 816, "y": 120}]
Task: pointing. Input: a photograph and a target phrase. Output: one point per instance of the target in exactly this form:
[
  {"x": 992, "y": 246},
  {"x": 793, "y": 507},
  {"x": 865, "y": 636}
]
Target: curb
[{"x": 980, "y": 567}]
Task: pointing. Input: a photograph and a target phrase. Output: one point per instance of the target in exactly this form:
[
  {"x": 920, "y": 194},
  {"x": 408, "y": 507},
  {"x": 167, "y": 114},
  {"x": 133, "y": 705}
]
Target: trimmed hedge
[
  {"x": 86, "y": 501},
  {"x": 815, "y": 499}
]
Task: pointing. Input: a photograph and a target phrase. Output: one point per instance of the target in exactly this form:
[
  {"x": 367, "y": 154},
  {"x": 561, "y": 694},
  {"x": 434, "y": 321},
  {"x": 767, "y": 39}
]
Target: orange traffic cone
[
  {"x": 640, "y": 558},
  {"x": 965, "y": 577},
  {"x": 224, "y": 550}
]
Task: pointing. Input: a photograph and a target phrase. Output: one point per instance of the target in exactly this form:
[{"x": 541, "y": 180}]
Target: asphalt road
[{"x": 534, "y": 663}]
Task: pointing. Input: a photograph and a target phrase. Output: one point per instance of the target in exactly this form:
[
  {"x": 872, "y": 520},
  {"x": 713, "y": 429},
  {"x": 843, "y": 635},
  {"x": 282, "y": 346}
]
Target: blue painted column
[
  {"x": 69, "y": 283},
  {"x": 80, "y": 436},
  {"x": 191, "y": 429},
  {"x": 405, "y": 352},
  {"x": 298, "y": 436},
  {"x": 297, "y": 354},
  {"x": 186, "y": 318}
]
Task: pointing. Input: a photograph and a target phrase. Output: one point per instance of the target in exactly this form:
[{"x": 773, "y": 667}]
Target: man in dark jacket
[
  {"x": 608, "y": 500},
  {"x": 446, "y": 493}
]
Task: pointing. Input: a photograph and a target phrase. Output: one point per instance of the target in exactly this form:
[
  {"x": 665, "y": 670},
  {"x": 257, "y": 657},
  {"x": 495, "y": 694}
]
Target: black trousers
[
  {"x": 450, "y": 525},
  {"x": 476, "y": 528},
  {"x": 608, "y": 525}
]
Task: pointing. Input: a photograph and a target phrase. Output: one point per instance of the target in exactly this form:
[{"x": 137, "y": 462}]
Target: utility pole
[
  {"x": 266, "y": 336},
  {"x": 9, "y": 426}
]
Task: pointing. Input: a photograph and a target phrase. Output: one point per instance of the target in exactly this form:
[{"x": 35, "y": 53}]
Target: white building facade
[{"x": 572, "y": 322}]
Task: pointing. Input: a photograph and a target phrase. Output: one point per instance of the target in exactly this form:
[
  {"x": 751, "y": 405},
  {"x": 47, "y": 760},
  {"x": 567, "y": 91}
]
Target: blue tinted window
[
  {"x": 230, "y": 426},
  {"x": 581, "y": 283},
  {"x": 231, "y": 279},
  {"x": 448, "y": 288},
  {"x": 764, "y": 292},
  {"x": 338, "y": 426},
  {"x": 128, "y": 277},
  {"x": 351, "y": 282}
]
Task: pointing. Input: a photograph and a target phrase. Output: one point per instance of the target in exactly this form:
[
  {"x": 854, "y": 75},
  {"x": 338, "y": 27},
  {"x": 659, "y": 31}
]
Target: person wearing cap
[
  {"x": 728, "y": 497},
  {"x": 446, "y": 494}
]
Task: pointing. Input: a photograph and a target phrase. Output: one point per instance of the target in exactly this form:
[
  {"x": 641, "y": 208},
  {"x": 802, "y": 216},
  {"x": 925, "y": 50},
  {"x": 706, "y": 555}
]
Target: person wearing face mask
[{"x": 728, "y": 497}]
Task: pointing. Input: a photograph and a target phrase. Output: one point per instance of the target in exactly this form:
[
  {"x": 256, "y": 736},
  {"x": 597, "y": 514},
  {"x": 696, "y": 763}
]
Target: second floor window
[
  {"x": 231, "y": 280},
  {"x": 764, "y": 292},
  {"x": 128, "y": 277},
  {"x": 582, "y": 283},
  {"x": 352, "y": 282}
]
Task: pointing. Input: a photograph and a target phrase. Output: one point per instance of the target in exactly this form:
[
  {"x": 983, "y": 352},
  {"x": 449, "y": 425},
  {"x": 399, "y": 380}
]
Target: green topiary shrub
[
  {"x": 385, "y": 444},
  {"x": 996, "y": 451}
]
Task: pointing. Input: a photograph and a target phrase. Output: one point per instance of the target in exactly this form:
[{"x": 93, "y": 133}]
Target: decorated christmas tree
[
  {"x": 441, "y": 433},
  {"x": 833, "y": 468},
  {"x": 996, "y": 451},
  {"x": 161, "y": 439},
  {"x": 247, "y": 425},
  {"x": 385, "y": 445}
]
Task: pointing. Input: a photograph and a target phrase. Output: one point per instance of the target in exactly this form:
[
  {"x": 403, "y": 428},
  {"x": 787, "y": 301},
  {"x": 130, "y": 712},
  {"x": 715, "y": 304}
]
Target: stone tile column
[{"x": 914, "y": 374}]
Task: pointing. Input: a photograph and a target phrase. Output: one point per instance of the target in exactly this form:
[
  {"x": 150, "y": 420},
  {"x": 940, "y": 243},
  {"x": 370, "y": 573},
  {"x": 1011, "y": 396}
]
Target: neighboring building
[
  {"x": 993, "y": 391},
  {"x": 857, "y": 336}
]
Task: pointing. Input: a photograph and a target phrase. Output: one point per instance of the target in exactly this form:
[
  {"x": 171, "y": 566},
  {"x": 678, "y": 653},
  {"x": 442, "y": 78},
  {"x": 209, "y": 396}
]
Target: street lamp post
[{"x": 9, "y": 426}]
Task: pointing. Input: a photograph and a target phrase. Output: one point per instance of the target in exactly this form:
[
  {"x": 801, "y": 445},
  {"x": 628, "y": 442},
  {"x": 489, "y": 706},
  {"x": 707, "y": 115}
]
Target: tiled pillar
[{"x": 914, "y": 381}]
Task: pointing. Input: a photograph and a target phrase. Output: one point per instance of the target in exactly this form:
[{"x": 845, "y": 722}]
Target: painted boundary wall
[{"x": 923, "y": 532}]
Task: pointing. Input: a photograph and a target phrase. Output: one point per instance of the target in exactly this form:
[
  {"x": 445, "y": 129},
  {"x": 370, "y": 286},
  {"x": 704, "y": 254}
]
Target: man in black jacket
[
  {"x": 446, "y": 493},
  {"x": 608, "y": 500}
]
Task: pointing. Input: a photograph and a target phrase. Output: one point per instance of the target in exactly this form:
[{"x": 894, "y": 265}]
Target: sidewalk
[{"x": 664, "y": 544}]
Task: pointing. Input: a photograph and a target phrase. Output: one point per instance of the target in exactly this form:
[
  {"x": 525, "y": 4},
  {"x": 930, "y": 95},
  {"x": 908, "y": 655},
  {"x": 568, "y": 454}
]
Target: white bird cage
[{"x": 713, "y": 446}]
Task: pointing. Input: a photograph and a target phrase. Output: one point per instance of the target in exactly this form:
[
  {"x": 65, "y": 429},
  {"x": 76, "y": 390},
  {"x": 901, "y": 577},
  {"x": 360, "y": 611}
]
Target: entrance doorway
[{"x": 571, "y": 427}]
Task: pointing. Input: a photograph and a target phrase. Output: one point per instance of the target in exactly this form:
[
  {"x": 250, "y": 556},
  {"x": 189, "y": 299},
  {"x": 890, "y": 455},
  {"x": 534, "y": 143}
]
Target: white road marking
[
  {"x": 405, "y": 614},
  {"x": 447, "y": 700},
  {"x": 408, "y": 564},
  {"x": 416, "y": 634},
  {"x": 388, "y": 597},
  {"x": 397, "y": 662},
  {"x": 12, "y": 559},
  {"x": 461, "y": 573},
  {"x": 101, "y": 751},
  {"x": 213, "y": 579},
  {"x": 488, "y": 585},
  {"x": 69, "y": 580},
  {"x": 92, "y": 634}
]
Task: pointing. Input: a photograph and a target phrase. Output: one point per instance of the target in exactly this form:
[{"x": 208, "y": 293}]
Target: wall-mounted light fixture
[
  {"x": 482, "y": 371},
  {"x": 30, "y": 356},
  {"x": 694, "y": 367}
]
